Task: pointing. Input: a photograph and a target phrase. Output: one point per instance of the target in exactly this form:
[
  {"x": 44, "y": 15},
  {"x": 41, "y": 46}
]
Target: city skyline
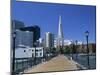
[{"x": 46, "y": 16}]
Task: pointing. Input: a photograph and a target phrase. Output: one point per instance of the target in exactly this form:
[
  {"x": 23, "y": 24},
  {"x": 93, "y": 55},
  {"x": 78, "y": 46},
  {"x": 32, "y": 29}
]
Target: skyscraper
[
  {"x": 16, "y": 25},
  {"x": 36, "y": 32},
  {"x": 24, "y": 38},
  {"x": 25, "y": 35},
  {"x": 60, "y": 37},
  {"x": 49, "y": 40}
]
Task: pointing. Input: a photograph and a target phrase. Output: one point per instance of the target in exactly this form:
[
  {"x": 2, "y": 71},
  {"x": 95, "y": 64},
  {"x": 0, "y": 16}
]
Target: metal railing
[{"x": 22, "y": 64}]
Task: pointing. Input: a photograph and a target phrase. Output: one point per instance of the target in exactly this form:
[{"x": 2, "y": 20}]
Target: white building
[
  {"x": 25, "y": 52},
  {"x": 49, "y": 40},
  {"x": 67, "y": 42},
  {"x": 41, "y": 42}
]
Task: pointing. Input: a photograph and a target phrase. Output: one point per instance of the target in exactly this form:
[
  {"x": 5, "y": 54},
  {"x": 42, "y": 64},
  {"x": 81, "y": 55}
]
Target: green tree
[{"x": 67, "y": 50}]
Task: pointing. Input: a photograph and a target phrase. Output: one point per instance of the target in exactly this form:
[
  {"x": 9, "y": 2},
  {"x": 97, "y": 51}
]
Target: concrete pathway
[{"x": 59, "y": 63}]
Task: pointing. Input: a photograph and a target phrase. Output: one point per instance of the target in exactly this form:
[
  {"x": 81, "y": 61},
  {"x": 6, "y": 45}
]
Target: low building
[{"x": 27, "y": 52}]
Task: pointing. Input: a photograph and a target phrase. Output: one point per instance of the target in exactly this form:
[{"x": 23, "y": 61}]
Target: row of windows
[
  {"x": 38, "y": 54},
  {"x": 33, "y": 50}
]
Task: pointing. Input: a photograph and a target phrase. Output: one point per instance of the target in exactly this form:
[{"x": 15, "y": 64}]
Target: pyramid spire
[{"x": 60, "y": 32}]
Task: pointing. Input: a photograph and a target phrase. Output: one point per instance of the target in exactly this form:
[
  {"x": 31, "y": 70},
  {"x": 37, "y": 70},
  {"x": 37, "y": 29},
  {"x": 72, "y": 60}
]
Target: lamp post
[
  {"x": 87, "y": 34},
  {"x": 13, "y": 54},
  {"x": 76, "y": 50}
]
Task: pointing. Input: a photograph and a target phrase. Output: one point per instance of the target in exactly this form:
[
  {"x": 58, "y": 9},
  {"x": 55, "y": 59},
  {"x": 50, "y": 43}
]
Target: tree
[
  {"x": 53, "y": 50},
  {"x": 67, "y": 50},
  {"x": 73, "y": 48}
]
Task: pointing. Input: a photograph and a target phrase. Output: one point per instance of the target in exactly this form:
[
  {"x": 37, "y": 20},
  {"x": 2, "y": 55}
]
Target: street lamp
[
  {"x": 76, "y": 50},
  {"x": 87, "y": 34},
  {"x": 13, "y": 54},
  {"x": 35, "y": 51}
]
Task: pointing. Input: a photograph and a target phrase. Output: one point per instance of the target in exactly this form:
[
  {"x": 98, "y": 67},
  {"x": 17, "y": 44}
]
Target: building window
[
  {"x": 32, "y": 50},
  {"x": 32, "y": 54},
  {"x": 40, "y": 54},
  {"x": 36, "y": 54},
  {"x": 39, "y": 49},
  {"x": 24, "y": 50},
  {"x": 36, "y": 50}
]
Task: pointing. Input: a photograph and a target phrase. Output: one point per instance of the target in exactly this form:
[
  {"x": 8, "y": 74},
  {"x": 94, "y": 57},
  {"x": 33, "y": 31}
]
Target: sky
[{"x": 76, "y": 19}]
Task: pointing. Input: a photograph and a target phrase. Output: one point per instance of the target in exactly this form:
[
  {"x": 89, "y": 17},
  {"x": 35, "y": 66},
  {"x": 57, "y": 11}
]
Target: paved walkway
[{"x": 59, "y": 63}]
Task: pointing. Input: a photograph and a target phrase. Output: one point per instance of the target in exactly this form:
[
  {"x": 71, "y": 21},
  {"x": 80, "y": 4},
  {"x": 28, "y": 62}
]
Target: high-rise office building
[
  {"x": 36, "y": 32},
  {"x": 24, "y": 38},
  {"x": 49, "y": 40},
  {"x": 60, "y": 37},
  {"x": 41, "y": 42},
  {"x": 25, "y": 35},
  {"x": 16, "y": 25}
]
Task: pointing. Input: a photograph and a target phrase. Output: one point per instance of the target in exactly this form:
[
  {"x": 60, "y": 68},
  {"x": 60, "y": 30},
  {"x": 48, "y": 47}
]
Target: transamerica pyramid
[{"x": 60, "y": 37}]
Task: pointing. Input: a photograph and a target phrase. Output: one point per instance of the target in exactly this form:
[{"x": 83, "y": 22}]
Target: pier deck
[{"x": 59, "y": 63}]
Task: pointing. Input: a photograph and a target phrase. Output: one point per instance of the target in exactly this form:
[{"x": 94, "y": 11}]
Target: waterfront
[
  {"x": 82, "y": 60},
  {"x": 26, "y": 64}
]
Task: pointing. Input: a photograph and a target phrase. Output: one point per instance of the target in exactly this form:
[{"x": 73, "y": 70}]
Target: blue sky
[{"x": 76, "y": 19}]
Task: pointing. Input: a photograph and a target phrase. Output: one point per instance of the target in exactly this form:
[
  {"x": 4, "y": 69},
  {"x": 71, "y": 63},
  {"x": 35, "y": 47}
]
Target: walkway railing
[
  {"x": 81, "y": 59},
  {"x": 22, "y": 64}
]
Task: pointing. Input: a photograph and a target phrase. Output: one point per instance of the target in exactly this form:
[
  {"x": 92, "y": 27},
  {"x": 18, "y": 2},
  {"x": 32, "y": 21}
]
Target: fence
[{"x": 22, "y": 64}]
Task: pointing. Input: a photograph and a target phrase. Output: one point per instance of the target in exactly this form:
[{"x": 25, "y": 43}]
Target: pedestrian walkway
[{"x": 59, "y": 63}]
